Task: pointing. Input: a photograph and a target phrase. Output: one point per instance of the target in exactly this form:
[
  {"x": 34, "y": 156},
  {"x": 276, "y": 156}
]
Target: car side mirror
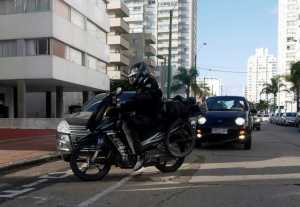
[{"x": 119, "y": 91}]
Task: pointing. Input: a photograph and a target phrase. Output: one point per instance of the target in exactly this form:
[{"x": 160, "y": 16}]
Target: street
[{"x": 267, "y": 175}]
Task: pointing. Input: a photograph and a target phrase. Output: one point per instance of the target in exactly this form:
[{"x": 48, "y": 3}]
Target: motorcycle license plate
[{"x": 219, "y": 131}]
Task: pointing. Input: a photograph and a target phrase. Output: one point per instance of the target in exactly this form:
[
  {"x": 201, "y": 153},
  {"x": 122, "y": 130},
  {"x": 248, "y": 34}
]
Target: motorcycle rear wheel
[
  {"x": 166, "y": 167},
  {"x": 80, "y": 164}
]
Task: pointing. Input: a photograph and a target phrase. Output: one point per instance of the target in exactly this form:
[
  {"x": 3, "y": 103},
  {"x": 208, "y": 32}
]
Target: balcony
[
  {"x": 118, "y": 59},
  {"x": 150, "y": 38},
  {"x": 150, "y": 51},
  {"x": 118, "y": 42},
  {"x": 118, "y": 8},
  {"x": 119, "y": 25}
]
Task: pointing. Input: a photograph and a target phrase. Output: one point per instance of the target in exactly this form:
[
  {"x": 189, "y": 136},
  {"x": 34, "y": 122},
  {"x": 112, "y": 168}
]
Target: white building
[
  {"x": 262, "y": 66},
  {"x": 118, "y": 41},
  {"x": 214, "y": 84},
  {"x": 288, "y": 43},
  {"x": 49, "y": 48},
  {"x": 153, "y": 17}
]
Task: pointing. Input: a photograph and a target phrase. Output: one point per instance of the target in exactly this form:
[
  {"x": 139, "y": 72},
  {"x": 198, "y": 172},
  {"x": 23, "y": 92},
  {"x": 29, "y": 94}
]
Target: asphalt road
[{"x": 268, "y": 175}]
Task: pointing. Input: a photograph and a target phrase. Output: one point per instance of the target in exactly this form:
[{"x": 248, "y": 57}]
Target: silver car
[{"x": 289, "y": 119}]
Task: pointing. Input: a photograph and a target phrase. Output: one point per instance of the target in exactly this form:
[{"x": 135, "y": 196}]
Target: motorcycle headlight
[
  {"x": 63, "y": 127},
  {"x": 240, "y": 121},
  {"x": 202, "y": 120}
]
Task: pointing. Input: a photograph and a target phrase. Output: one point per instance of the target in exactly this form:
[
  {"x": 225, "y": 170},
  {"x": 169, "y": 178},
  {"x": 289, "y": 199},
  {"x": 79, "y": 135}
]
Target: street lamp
[{"x": 163, "y": 72}]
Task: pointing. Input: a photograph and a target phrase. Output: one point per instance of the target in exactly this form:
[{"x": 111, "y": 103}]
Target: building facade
[
  {"x": 214, "y": 84},
  {"x": 153, "y": 16},
  {"x": 288, "y": 45},
  {"x": 51, "y": 52},
  {"x": 260, "y": 69},
  {"x": 118, "y": 40}
]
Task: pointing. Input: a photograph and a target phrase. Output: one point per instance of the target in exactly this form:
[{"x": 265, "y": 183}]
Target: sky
[{"x": 233, "y": 29}]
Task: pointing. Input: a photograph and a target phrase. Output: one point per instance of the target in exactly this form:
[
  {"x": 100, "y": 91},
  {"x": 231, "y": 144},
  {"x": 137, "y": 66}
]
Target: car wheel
[{"x": 248, "y": 143}]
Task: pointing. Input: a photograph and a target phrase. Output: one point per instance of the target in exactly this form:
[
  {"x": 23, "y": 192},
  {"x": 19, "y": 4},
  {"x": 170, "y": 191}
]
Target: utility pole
[{"x": 170, "y": 56}]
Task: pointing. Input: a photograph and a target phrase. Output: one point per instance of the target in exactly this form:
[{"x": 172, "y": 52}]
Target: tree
[
  {"x": 273, "y": 88},
  {"x": 186, "y": 80},
  {"x": 262, "y": 105},
  {"x": 294, "y": 78}
]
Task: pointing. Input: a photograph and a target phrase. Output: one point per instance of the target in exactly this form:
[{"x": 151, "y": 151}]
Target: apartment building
[
  {"x": 261, "y": 67},
  {"x": 154, "y": 17},
  {"x": 214, "y": 84},
  {"x": 118, "y": 40},
  {"x": 288, "y": 44},
  {"x": 51, "y": 52}
]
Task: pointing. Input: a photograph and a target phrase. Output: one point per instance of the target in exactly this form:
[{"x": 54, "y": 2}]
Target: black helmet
[{"x": 138, "y": 74}]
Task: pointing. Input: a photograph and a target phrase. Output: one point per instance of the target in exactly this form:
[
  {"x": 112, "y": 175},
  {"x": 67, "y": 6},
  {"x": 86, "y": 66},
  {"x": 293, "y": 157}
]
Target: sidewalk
[{"x": 19, "y": 147}]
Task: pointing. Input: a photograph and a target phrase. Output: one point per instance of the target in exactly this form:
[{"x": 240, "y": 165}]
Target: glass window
[
  {"x": 91, "y": 62},
  {"x": 7, "y": 7},
  {"x": 42, "y": 5},
  {"x": 77, "y": 19},
  {"x": 8, "y": 48},
  {"x": 91, "y": 28},
  {"x": 42, "y": 47},
  {"x": 30, "y": 46},
  {"x": 76, "y": 56},
  {"x": 59, "y": 49},
  {"x": 62, "y": 9}
]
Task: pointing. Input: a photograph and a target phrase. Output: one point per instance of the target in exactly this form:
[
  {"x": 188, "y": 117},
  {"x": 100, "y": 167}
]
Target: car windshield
[
  {"x": 92, "y": 104},
  {"x": 291, "y": 114},
  {"x": 226, "y": 104}
]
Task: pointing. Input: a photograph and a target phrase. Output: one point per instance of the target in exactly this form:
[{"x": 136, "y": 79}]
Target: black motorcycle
[{"x": 165, "y": 148}]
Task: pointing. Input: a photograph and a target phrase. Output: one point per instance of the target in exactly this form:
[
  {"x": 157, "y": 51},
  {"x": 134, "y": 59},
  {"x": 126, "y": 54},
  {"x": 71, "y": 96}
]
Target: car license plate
[{"x": 219, "y": 131}]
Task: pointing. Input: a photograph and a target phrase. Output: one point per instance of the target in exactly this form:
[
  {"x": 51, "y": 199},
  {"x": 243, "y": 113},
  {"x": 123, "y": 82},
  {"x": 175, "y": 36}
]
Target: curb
[{"x": 28, "y": 163}]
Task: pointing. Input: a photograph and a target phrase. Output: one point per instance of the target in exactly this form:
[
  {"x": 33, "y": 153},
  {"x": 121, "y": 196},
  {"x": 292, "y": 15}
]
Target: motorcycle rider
[{"x": 147, "y": 105}]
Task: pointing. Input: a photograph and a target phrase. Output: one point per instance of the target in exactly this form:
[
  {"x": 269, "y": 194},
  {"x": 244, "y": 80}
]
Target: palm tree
[
  {"x": 294, "y": 78},
  {"x": 186, "y": 79},
  {"x": 273, "y": 88},
  {"x": 204, "y": 90}
]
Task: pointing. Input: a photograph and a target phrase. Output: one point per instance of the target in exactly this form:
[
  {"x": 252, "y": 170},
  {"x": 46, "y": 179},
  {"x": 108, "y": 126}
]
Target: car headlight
[
  {"x": 202, "y": 120},
  {"x": 63, "y": 127},
  {"x": 240, "y": 121}
]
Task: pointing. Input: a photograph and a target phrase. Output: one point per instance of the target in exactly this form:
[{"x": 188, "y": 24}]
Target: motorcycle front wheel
[
  {"x": 170, "y": 166},
  {"x": 89, "y": 166}
]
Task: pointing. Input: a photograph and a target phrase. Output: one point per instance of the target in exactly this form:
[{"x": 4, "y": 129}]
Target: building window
[
  {"x": 37, "y": 47},
  {"x": 75, "y": 56},
  {"x": 59, "y": 49},
  {"x": 62, "y": 9},
  {"x": 8, "y": 48},
  {"x": 91, "y": 62},
  {"x": 77, "y": 19},
  {"x": 23, "y": 6},
  {"x": 95, "y": 30}
]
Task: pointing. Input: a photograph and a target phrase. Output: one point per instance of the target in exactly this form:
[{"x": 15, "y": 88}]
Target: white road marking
[
  {"x": 235, "y": 178},
  {"x": 30, "y": 185},
  {"x": 163, "y": 188},
  {"x": 57, "y": 175},
  {"x": 14, "y": 193},
  {"x": 96, "y": 197},
  {"x": 277, "y": 162}
]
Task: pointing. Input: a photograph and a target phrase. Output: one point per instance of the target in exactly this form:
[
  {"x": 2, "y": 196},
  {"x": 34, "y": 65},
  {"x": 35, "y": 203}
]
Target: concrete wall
[{"x": 30, "y": 123}]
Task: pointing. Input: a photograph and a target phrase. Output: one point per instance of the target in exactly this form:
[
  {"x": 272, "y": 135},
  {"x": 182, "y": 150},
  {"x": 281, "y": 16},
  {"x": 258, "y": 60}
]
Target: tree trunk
[
  {"x": 188, "y": 91},
  {"x": 275, "y": 101}
]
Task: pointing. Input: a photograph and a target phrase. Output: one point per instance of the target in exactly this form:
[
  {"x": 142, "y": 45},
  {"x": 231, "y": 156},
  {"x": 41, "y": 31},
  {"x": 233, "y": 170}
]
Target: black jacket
[{"x": 147, "y": 101}]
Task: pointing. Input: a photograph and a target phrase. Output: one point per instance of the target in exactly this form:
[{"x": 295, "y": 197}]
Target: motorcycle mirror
[{"x": 119, "y": 91}]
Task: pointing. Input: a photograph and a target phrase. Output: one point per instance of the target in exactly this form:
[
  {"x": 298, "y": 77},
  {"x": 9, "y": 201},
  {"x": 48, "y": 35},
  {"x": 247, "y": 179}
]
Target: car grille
[{"x": 78, "y": 132}]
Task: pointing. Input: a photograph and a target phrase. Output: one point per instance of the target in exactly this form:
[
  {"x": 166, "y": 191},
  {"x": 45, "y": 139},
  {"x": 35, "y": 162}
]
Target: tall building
[
  {"x": 288, "y": 43},
  {"x": 214, "y": 84},
  {"x": 261, "y": 68},
  {"x": 153, "y": 16},
  {"x": 119, "y": 57},
  {"x": 50, "y": 48}
]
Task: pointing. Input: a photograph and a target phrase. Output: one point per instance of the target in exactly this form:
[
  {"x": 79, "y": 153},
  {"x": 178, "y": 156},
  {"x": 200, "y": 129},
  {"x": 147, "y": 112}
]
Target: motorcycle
[{"x": 164, "y": 148}]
